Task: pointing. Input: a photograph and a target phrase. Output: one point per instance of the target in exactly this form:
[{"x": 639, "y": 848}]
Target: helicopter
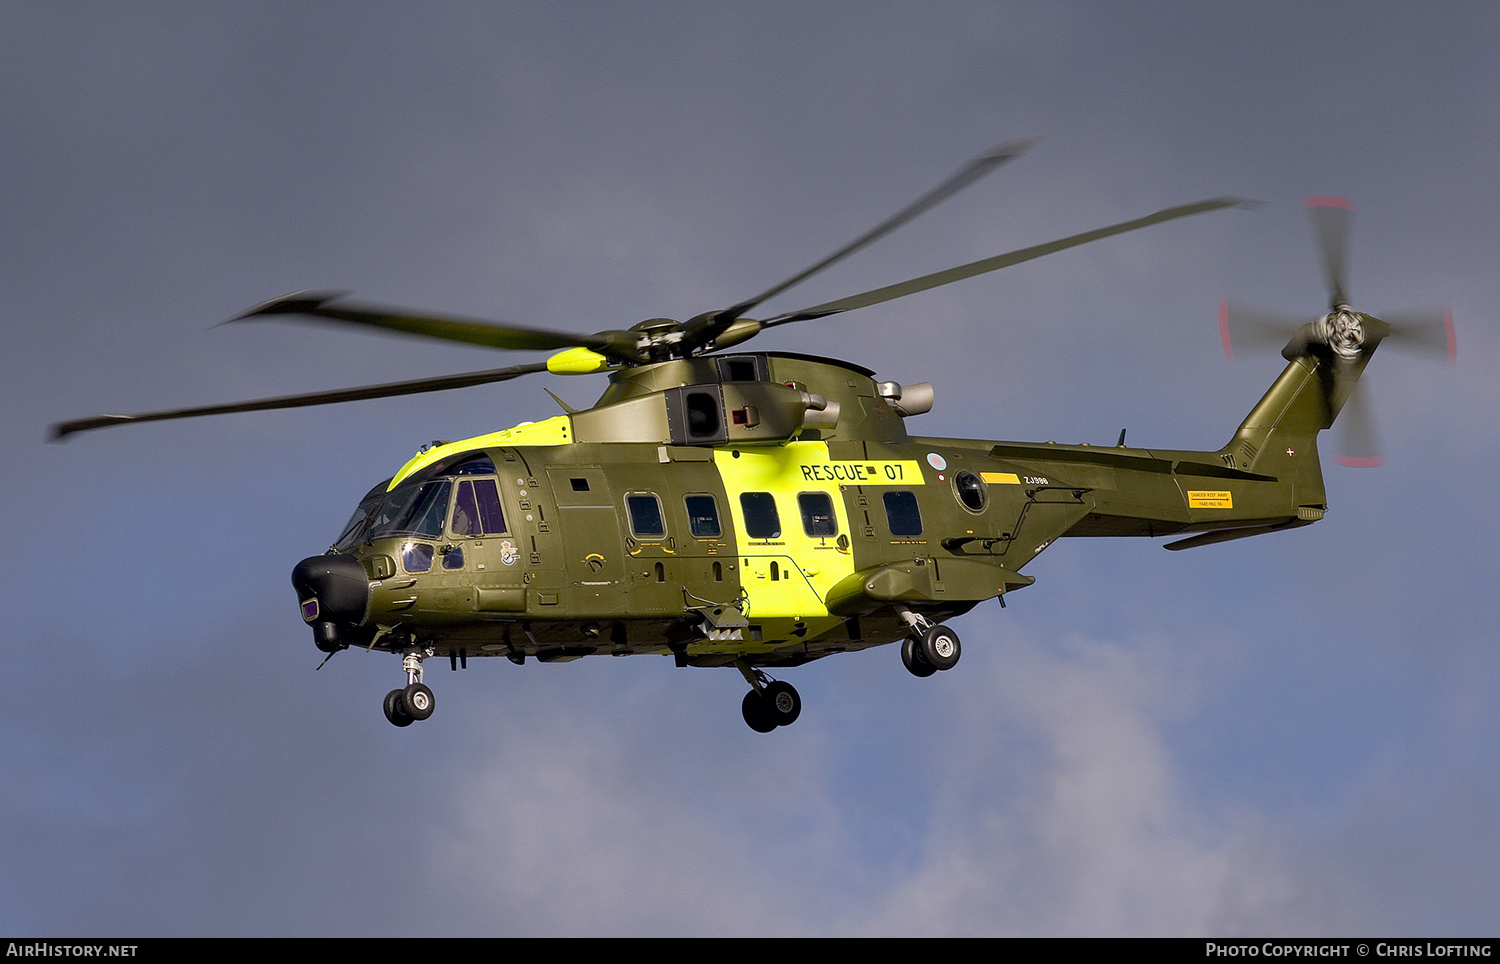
[{"x": 760, "y": 510}]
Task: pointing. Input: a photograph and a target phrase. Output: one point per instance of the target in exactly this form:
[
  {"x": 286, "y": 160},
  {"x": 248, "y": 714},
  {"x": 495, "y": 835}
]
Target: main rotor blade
[
  {"x": 937, "y": 279},
  {"x": 966, "y": 175},
  {"x": 440, "y": 383},
  {"x": 328, "y": 305},
  {"x": 708, "y": 326},
  {"x": 1331, "y": 217}
]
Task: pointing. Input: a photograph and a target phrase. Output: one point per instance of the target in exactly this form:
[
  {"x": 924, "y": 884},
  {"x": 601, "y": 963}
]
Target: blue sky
[{"x": 1289, "y": 735}]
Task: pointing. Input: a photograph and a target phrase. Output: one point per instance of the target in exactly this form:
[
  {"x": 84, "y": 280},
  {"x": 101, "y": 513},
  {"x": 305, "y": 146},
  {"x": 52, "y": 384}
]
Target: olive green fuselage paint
[{"x": 728, "y": 521}]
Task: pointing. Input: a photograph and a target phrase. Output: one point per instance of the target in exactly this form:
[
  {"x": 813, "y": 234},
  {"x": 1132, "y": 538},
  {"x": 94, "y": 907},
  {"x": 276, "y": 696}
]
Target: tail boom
[{"x": 1267, "y": 478}]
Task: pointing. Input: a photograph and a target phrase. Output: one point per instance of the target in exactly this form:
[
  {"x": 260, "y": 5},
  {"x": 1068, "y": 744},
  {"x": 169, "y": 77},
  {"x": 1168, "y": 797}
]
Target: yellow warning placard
[
  {"x": 1000, "y": 478},
  {"x": 1201, "y": 499}
]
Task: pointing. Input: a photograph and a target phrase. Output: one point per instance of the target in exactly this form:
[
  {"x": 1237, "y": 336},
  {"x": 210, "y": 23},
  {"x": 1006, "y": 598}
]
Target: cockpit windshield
[
  {"x": 417, "y": 509},
  {"x": 414, "y": 510},
  {"x": 367, "y": 506},
  {"x": 419, "y": 505}
]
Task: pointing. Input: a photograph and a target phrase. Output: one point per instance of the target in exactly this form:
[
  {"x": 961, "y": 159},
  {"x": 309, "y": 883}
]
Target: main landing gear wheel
[
  {"x": 937, "y": 648},
  {"x": 912, "y": 657},
  {"x": 783, "y": 703},
  {"x": 773, "y": 704},
  {"x": 757, "y": 714},
  {"x": 940, "y": 647}
]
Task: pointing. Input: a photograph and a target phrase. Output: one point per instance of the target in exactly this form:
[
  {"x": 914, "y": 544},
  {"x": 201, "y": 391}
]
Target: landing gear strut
[
  {"x": 770, "y": 703},
  {"x": 403, "y": 707},
  {"x": 930, "y": 647}
]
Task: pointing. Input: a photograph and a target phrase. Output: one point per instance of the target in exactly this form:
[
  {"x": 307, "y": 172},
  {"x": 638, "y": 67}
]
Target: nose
[{"x": 334, "y": 594}]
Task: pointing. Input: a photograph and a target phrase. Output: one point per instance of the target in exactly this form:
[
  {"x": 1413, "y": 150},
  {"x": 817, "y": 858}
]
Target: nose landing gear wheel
[
  {"x": 395, "y": 708},
  {"x": 404, "y": 707},
  {"x": 418, "y": 701}
]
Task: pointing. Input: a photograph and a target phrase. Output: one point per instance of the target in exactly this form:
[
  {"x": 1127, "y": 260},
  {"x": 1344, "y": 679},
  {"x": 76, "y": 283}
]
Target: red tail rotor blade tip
[
  {"x": 1360, "y": 462},
  {"x": 1328, "y": 202},
  {"x": 1224, "y": 328}
]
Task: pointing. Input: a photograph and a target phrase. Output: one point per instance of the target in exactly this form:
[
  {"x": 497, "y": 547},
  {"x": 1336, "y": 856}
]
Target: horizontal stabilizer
[{"x": 1225, "y": 535}]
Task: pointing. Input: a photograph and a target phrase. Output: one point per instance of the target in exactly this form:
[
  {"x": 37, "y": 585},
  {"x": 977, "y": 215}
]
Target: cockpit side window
[{"x": 476, "y": 509}]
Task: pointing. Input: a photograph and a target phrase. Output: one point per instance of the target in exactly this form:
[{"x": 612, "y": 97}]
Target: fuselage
[{"x": 767, "y": 509}]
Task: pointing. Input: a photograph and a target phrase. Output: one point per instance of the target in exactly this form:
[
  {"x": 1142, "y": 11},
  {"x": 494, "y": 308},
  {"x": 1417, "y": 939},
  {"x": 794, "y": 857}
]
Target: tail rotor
[{"x": 1342, "y": 340}]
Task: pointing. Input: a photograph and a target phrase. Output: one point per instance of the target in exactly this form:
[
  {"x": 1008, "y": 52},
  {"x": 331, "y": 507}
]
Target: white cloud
[
  {"x": 1089, "y": 831},
  {"x": 1051, "y": 801}
]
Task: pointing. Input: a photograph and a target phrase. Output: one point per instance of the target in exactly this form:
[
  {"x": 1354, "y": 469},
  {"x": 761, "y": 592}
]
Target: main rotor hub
[
  {"x": 655, "y": 326},
  {"x": 1342, "y": 331},
  {"x": 660, "y": 339}
]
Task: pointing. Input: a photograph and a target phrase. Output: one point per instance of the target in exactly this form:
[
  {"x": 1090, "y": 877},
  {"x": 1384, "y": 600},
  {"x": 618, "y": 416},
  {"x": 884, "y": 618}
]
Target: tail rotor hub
[{"x": 1342, "y": 331}]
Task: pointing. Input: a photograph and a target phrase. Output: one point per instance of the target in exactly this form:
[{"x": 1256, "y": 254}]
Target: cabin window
[
  {"x": 971, "y": 491},
  {"x": 646, "y": 521},
  {"x": 703, "y": 516},
  {"x": 762, "y": 521},
  {"x": 902, "y": 515},
  {"x": 454, "y": 558},
  {"x": 817, "y": 514},
  {"x": 476, "y": 509}
]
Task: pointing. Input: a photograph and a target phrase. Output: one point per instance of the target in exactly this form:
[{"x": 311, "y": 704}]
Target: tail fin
[{"x": 1280, "y": 435}]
